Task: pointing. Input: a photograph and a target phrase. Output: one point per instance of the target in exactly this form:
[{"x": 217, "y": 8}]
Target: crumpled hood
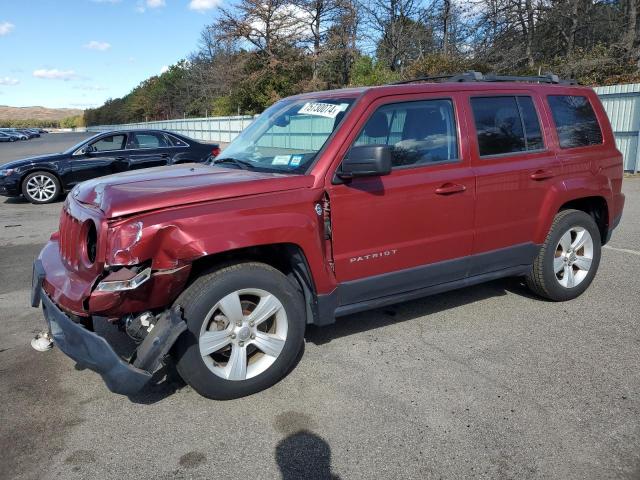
[{"x": 153, "y": 188}]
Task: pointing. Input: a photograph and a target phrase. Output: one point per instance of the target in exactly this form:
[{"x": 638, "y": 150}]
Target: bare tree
[
  {"x": 317, "y": 16},
  {"x": 339, "y": 49},
  {"x": 267, "y": 25},
  {"x": 398, "y": 26}
]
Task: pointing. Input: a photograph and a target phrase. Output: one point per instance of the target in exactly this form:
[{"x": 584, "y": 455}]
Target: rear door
[
  {"x": 148, "y": 149},
  {"x": 108, "y": 156},
  {"x": 413, "y": 228},
  {"x": 515, "y": 167}
]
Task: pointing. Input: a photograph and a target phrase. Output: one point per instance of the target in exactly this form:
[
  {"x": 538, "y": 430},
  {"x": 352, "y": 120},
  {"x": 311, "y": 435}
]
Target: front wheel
[
  {"x": 569, "y": 258},
  {"x": 41, "y": 187},
  {"x": 245, "y": 328}
]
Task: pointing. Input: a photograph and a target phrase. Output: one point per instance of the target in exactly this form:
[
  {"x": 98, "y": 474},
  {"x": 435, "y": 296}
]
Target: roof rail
[{"x": 472, "y": 76}]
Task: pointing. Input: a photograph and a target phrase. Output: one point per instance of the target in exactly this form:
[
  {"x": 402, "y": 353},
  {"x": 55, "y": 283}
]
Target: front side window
[
  {"x": 287, "y": 136},
  {"x": 506, "y": 125},
  {"x": 112, "y": 142},
  {"x": 575, "y": 121},
  {"x": 419, "y": 133}
]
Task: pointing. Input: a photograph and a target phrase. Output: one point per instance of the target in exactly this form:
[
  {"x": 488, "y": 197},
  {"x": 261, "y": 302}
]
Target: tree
[
  {"x": 269, "y": 26},
  {"x": 258, "y": 51}
]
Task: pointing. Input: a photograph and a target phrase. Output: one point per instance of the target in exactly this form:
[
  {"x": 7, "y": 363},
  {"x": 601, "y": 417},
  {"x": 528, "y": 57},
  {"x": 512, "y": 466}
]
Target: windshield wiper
[{"x": 243, "y": 164}]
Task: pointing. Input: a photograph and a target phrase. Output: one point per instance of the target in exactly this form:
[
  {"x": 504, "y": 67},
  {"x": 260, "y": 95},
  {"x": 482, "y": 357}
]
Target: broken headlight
[{"x": 122, "y": 239}]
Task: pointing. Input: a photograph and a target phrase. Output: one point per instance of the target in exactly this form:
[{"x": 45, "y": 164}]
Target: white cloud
[
  {"x": 55, "y": 74},
  {"x": 95, "y": 45},
  {"x": 6, "y": 28},
  {"x": 9, "y": 81},
  {"x": 164, "y": 69},
  {"x": 142, "y": 5},
  {"x": 90, "y": 88},
  {"x": 202, "y": 5}
]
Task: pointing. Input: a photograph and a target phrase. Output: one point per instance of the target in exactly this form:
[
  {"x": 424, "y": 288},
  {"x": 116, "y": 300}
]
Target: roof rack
[{"x": 472, "y": 76}]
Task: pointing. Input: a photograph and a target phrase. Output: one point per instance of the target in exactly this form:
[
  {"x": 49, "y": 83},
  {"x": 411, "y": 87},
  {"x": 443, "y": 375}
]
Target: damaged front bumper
[{"x": 94, "y": 352}]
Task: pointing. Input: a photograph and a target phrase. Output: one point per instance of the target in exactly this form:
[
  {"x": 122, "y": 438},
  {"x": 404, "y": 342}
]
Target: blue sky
[{"x": 78, "y": 53}]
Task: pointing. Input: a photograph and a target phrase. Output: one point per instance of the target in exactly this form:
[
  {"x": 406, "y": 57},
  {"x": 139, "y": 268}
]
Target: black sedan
[{"x": 42, "y": 179}]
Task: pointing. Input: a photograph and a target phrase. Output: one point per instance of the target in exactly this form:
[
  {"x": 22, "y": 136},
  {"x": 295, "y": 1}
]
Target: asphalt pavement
[{"x": 484, "y": 382}]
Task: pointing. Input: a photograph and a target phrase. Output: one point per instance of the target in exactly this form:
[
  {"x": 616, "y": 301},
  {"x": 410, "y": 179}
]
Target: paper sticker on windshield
[
  {"x": 295, "y": 160},
  {"x": 281, "y": 160},
  {"x": 329, "y": 110}
]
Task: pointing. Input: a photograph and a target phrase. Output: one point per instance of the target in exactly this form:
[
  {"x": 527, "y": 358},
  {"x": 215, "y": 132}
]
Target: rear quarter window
[{"x": 575, "y": 120}]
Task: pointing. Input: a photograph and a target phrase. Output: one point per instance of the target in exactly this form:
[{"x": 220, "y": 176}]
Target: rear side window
[
  {"x": 419, "y": 133},
  {"x": 148, "y": 140},
  {"x": 175, "y": 142},
  {"x": 575, "y": 121},
  {"x": 506, "y": 125}
]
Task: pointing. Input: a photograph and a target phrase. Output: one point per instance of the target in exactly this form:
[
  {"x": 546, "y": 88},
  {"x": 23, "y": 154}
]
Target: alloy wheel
[
  {"x": 243, "y": 334},
  {"x": 573, "y": 257},
  {"x": 41, "y": 188}
]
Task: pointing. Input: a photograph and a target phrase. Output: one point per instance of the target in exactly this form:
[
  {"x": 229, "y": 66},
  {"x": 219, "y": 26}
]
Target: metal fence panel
[
  {"x": 621, "y": 102},
  {"x": 214, "y": 129}
]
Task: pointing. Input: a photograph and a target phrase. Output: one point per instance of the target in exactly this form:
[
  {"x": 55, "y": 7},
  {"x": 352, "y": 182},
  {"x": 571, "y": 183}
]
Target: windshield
[
  {"x": 78, "y": 145},
  {"x": 287, "y": 136}
]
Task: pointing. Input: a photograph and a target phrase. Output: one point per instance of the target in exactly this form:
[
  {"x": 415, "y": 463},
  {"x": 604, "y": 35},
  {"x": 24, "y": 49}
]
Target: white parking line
[{"x": 623, "y": 250}]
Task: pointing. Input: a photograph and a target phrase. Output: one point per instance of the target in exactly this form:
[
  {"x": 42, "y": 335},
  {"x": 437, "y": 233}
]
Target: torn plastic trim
[
  {"x": 92, "y": 351},
  {"x": 132, "y": 283}
]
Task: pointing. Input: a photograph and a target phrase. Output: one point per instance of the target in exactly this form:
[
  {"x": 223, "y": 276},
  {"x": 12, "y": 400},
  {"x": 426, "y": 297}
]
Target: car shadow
[
  {"x": 15, "y": 200},
  {"x": 304, "y": 454},
  {"x": 405, "y": 311},
  {"x": 166, "y": 381},
  {"x": 23, "y": 201}
]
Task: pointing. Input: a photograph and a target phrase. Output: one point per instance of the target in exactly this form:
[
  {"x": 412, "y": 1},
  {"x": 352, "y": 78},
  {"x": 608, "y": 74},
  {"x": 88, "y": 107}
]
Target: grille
[{"x": 70, "y": 239}]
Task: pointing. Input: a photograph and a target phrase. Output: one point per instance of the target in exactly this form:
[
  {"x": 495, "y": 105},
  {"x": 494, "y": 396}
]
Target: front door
[
  {"x": 104, "y": 156},
  {"x": 413, "y": 228}
]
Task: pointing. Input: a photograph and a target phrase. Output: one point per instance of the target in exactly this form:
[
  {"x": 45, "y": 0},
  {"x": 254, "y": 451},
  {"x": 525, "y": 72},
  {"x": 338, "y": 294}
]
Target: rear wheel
[
  {"x": 245, "y": 328},
  {"x": 41, "y": 187},
  {"x": 568, "y": 259}
]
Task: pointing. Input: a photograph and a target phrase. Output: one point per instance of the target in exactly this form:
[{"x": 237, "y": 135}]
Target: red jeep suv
[{"x": 331, "y": 203}]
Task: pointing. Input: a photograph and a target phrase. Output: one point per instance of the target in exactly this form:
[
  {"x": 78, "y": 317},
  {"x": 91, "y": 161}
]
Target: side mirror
[
  {"x": 366, "y": 161},
  {"x": 88, "y": 150}
]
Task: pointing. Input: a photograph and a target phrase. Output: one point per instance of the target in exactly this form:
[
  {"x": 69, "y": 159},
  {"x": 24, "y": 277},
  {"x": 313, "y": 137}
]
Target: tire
[
  {"x": 214, "y": 370},
  {"x": 41, "y": 187},
  {"x": 569, "y": 257}
]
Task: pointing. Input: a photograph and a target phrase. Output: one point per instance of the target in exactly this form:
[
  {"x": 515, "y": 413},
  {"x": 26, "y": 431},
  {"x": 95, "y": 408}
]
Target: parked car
[
  {"x": 29, "y": 133},
  {"x": 32, "y": 131},
  {"x": 6, "y": 137},
  {"x": 402, "y": 191},
  {"x": 42, "y": 179},
  {"x": 15, "y": 133}
]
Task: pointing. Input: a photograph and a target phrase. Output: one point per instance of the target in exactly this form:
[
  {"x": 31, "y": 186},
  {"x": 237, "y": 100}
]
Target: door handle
[
  {"x": 449, "y": 188},
  {"x": 541, "y": 175},
  {"x": 120, "y": 158},
  {"x": 164, "y": 155}
]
